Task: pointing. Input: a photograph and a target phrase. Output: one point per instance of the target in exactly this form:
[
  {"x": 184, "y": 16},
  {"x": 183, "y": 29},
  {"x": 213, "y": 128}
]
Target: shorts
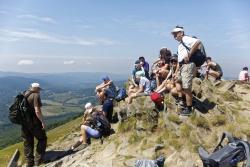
[
  {"x": 186, "y": 75},
  {"x": 92, "y": 133},
  {"x": 142, "y": 94}
]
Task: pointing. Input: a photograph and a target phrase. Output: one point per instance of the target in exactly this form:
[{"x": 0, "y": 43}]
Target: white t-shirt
[
  {"x": 242, "y": 75},
  {"x": 182, "y": 51},
  {"x": 146, "y": 84}
]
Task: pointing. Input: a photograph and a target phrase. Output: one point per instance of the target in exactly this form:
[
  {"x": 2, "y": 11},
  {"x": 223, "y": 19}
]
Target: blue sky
[{"x": 90, "y": 35}]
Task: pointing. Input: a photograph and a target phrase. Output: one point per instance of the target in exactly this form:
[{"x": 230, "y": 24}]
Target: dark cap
[
  {"x": 137, "y": 62},
  {"x": 174, "y": 57}
]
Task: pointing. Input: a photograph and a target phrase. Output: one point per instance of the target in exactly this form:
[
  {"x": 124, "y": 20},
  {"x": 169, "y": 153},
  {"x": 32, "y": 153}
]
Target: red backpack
[{"x": 156, "y": 97}]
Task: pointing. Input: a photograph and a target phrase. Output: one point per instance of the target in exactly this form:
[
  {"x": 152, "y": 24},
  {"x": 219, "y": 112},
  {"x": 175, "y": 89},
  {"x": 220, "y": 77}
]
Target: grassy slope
[{"x": 53, "y": 135}]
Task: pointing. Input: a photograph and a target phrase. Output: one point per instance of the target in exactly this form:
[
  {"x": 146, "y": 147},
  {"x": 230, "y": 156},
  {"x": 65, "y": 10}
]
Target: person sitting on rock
[
  {"x": 145, "y": 66},
  {"x": 168, "y": 84},
  {"x": 144, "y": 87},
  {"x": 213, "y": 69},
  {"x": 244, "y": 76},
  {"x": 87, "y": 129},
  {"x": 107, "y": 86},
  {"x": 161, "y": 67},
  {"x": 137, "y": 67}
]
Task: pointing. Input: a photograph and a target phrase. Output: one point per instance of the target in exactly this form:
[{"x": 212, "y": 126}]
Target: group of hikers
[{"x": 171, "y": 73}]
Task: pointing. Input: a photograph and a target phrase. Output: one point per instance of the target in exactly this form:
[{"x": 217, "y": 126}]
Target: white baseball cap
[
  {"x": 35, "y": 85},
  {"x": 177, "y": 29}
]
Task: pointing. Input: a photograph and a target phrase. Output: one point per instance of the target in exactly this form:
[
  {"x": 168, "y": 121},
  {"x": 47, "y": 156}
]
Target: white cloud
[
  {"x": 37, "y": 18},
  {"x": 69, "y": 62},
  {"x": 25, "y": 62},
  {"x": 52, "y": 38}
]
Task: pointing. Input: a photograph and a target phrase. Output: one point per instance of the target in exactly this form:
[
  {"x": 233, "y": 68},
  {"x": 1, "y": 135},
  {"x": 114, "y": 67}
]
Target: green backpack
[{"x": 20, "y": 112}]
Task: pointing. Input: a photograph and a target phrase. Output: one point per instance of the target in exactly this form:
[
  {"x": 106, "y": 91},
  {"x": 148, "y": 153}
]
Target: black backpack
[
  {"x": 20, "y": 112},
  {"x": 227, "y": 156},
  {"x": 101, "y": 123},
  {"x": 199, "y": 56}
]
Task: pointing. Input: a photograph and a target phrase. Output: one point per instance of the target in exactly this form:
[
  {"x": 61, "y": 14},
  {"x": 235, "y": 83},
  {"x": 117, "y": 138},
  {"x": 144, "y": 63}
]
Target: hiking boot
[
  {"x": 186, "y": 112},
  {"x": 181, "y": 104},
  {"x": 88, "y": 141}
]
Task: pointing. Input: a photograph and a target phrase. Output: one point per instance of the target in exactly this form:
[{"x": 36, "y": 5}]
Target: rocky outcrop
[{"x": 142, "y": 132}]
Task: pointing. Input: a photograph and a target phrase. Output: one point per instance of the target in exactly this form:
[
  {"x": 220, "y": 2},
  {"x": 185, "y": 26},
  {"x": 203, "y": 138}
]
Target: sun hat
[
  {"x": 35, "y": 85},
  {"x": 177, "y": 29}
]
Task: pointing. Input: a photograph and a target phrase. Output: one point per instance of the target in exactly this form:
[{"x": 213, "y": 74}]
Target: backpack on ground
[
  {"x": 158, "y": 100},
  {"x": 227, "y": 156},
  {"x": 159, "y": 162},
  {"x": 101, "y": 123},
  {"x": 121, "y": 94},
  {"x": 19, "y": 111},
  {"x": 198, "y": 57}
]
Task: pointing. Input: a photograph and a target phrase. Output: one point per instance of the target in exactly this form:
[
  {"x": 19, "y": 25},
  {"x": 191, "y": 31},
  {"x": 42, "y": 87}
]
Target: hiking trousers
[{"x": 28, "y": 134}]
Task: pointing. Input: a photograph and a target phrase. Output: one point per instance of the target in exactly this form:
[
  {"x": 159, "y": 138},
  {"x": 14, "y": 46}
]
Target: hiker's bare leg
[
  {"x": 214, "y": 74},
  {"x": 179, "y": 89},
  {"x": 189, "y": 96},
  {"x": 83, "y": 133},
  {"x": 174, "y": 92}
]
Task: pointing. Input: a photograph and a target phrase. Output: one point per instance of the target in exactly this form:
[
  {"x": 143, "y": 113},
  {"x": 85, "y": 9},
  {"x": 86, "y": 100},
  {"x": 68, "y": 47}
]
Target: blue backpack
[{"x": 121, "y": 94}]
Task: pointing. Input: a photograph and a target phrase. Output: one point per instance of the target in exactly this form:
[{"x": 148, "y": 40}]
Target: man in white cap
[
  {"x": 34, "y": 128},
  {"x": 187, "y": 58}
]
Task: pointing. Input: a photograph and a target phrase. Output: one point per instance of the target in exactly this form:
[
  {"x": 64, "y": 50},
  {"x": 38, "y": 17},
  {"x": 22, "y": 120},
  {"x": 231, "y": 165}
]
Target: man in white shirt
[{"x": 187, "y": 69}]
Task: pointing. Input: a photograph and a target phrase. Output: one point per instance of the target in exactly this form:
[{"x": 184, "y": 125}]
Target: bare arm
[
  {"x": 140, "y": 89},
  {"x": 40, "y": 115},
  {"x": 194, "y": 48}
]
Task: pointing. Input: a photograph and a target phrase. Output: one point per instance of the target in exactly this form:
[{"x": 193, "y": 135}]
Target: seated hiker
[
  {"x": 213, "y": 69},
  {"x": 244, "y": 76},
  {"x": 88, "y": 128},
  {"x": 145, "y": 66},
  {"x": 107, "y": 84},
  {"x": 144, "y": 87},
  {"x": 161, "y": 66},
  {"x": 107, "y": 106},
  {"x": 168, "y": 84},
  {"x": 137, "y": 67}
]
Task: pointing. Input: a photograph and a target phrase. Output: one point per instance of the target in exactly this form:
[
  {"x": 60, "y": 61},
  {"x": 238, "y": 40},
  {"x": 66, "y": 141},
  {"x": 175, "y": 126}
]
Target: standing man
[
  {"x": 35, "y": 128},
  {"x": 187, "y": 69}
]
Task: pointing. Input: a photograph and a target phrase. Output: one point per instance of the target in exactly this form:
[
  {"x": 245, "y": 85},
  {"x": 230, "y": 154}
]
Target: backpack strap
[
  {"x": 246, "y": 146},
  {"x": 224, "y": 135},
  {"x": 188, "y": 49}
]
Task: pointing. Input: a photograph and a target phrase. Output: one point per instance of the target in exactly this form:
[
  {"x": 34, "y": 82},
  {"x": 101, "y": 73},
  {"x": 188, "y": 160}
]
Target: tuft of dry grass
[
  {"x": 200, "y": 121},
  {"x": 218, "y": 120},
  {"x": 174, "y": 118}
]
